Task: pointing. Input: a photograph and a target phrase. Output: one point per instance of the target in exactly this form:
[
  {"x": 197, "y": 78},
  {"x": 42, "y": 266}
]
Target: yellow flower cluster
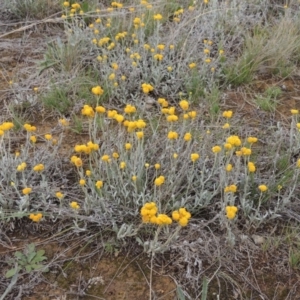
[
  {"x": 97, "y": 90},
  {"x": 194, "y": 157},
  {"x": 251, "y": 167},
  {"x": 216, "y": 149},
  {"x": 74, "y": 205},
  {"x": 230, "y": 188},
  {"x": 181, "y": 216},
  {"x": 59, "y": 195},
  {"x": 172, "y": 135},
  {"x": 87, "y": 149},
  {"x": 29, "y": 128},
  {"x": 159, "y": 180},
  {"x": 147, "y": 88},
  {"x": 88, "y": 111},
  {"x": 263, "y": 188},
  {"x": 129, "y": 109},
  {"x": 39, "y": 168},
  {"x": 148, "y": 213},
  {"x": 99, "y": 184},
  {"x": 21, "y": 167},
  {"x": 26, "y": 191},
  {"x": 234, "y": 140},
  {"x": 231, "y": 212},
  {"x": 35, "y": 217},
  {"x": 116, "y": 4},
  {"x": 227, "y": 114},
  {"x": 76, "y": 161},
  {"x": 157, "y": 17},
  {"x": 184, "y": 105},
  {"x": 5, "y": 127},
  {"x": 251, "y": 139}
]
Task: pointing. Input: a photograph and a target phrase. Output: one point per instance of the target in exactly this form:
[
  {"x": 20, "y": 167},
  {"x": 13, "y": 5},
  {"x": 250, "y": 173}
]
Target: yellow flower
[
  {"x": 99, "y": 184},
  {"x": 161, "y": 46},
  {"x": 246, "y": 151},
  {"x": 158, "y": 56},
  {"x": 128, "y": 146},
  {"x": 105, "y": 158},
  {"x": 231, "y": 212},
  {"x": 82, "y": 182},
  {"x": 172, "y": 135},
  {"x": 147, "y": 165},
  {"x": 206, "y": 51},
  {"x": 157, "y": 166},
  {"x": 157, "y": 17},
  {"x": 26, "y": 191},
  {"x": 76, "y": 161},
  {"x": 17, "y": 153},
  {"x": 159, "y": 180},
  {"x": 216, "y": 149},
  {"x": 181, "y": 216},
  {"x": 172, "y": 118},
  {"x": 148, "y": 211},
  {"x": 59, "y": 195},
  {"x": 221, "y": 52},
  {"x": 21, "y": 167},
  {"x": 187, "y": 137},
  {"x": 207, "y": 60},
  {"x": 35, "y": 217},
  {"x": 139, "y": 134},
  {"x": 122, "y": 165},
  {"x": 29, "y": 128},
  {"x": 111, "y": 113},
  {"x": 226, "y": 126},
  {"x": 115, "y": 66},
  {"x": 97, "y": 90},
  {"x": 38, "y": 168},
  {"x": 169, "y": 68},
  {"x": 129, "y": 109},
  {"x": 6, "y": 126},
  {"x": 112, "y": 76},
  {"x": 194, "y": 157},
  {"x": 184, "y": 104},
  {"x": 48, "y": 137},
  {"x": 66, "y": 4},
  {"x": 162, "y": 219},
  {"x": 87, "y": 111},
  {"x": 230, "y": 188},
  {"x": 298, "y": 163},
  {"x": 251, "y": 139},
  {"x": 74, "y": 205},
  {"x": 294, "y": 111},
  {"x": 251, "y": 167},
  {"x": 115, "y": 155},
  {"x": 100, "y": 109},
  {"x": 192, "y": 65},
  {"x": 134, "y": 178},
  {"x": 192, "y": 114},
  {"x": 88, "y": 173},
  {"x": 63, "y": 122},
  {"x": 147, "y": 88},
  {"x": 263, "y": 188},
  {"x": 228, "y": 168},
  {"x": 175, "y": 155},
  {"x": 119, "y": 118},
  {"x": 234, "y": 140},
  {"x": 227, "y": 114}
]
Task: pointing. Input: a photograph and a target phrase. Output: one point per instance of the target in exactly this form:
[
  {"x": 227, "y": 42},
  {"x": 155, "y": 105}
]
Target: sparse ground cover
[{"x": 150, "y": 150}]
